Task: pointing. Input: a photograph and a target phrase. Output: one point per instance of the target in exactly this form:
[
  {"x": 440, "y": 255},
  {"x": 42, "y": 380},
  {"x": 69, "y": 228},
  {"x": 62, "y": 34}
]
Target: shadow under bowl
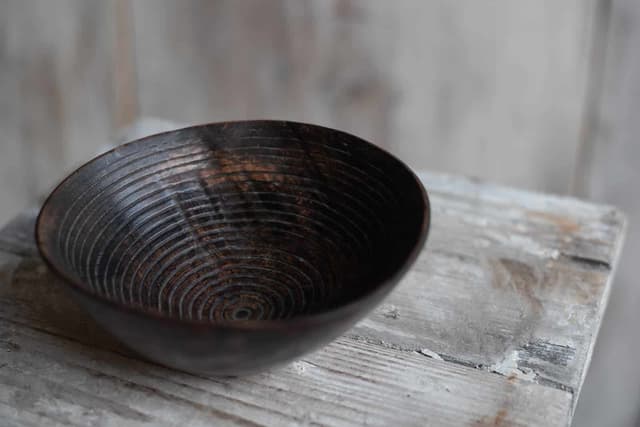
[{"x": 229, "y": 248}]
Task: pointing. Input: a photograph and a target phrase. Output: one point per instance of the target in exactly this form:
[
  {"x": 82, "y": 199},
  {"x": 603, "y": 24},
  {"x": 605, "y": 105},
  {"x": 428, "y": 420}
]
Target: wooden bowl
[{"x": 228, "y": 248}]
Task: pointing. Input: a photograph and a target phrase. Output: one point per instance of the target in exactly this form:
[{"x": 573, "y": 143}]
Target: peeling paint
[
  {"x": 390, "y": 311},
  {"x": 509, "y": 368},
  {"x": 429, "y": 353},
  {"x": 300, "y": 366}
]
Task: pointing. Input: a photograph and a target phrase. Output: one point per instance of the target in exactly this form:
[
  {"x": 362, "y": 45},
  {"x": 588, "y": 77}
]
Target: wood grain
[
  {"x": 612, "y": 175},
  {"x": 494, "y": 326},
  {"x": 55, "y": 85},
  {"x": 125, "y": 95},
  {"x": 495, "y": 91},
  {"x": 510, "y": 264},
  {"x": 491, "y": 90}
]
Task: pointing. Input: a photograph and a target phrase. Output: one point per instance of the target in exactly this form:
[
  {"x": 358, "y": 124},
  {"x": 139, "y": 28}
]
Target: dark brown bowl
[{"x": 229, "y": 248}]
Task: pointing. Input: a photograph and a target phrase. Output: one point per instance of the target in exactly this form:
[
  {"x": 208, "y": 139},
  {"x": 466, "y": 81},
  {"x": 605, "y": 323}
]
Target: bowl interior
[{"x": 235, "y": 221}]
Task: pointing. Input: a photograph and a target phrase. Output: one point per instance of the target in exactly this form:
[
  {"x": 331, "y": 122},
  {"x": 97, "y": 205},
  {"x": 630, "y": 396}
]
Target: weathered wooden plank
[
  {"x": 347, "y": 383},
  {"x": 12, "y": 175},
  {"x": 492, "y": 90},
  {"x": 18, "y": 235},
  {"x": 610, "y": 174},
  {"x": 125, "y": 94},
  {"x": 511, "y": 281},
  {"x": 501, "y": 309},
  {"x": 56, "y": 81}
]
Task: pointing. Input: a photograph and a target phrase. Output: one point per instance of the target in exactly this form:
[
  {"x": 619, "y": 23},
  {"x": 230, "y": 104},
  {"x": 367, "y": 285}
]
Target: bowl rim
[{"x": 382, "y": 287}]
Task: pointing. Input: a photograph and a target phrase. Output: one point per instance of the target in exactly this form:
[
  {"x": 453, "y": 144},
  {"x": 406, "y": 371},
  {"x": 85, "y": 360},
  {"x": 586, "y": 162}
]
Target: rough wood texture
[
  {"x": 55, "y": 84},
  {"x": 612, "y": 176},
  {"x": 494, "y": 89},
  {"x": 491, "y": 90},
  {"x": 494, "y": 326}
]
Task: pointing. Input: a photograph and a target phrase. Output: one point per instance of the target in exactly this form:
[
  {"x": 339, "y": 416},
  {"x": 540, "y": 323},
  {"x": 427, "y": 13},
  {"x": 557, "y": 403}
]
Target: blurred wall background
[{"x": 540, "y": 94}]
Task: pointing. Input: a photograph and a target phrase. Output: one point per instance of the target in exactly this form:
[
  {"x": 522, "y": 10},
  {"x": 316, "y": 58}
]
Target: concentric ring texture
[{"x": 236, "y": 221}]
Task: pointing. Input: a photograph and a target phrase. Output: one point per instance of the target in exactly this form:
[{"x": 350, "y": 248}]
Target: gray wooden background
[{"x": 536, "y": 94}]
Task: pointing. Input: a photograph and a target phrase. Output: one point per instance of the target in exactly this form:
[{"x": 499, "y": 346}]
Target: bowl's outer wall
[{"x": 219, "y": 351}]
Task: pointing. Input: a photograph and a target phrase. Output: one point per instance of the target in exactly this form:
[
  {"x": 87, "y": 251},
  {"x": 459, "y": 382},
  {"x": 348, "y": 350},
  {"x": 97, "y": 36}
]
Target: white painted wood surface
[
  {"x": 490, "y": 89},
  {"x": 612, "y": 176},
  {"x": 494, "y": 326},
  {"x": 56, "y": 83}
]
